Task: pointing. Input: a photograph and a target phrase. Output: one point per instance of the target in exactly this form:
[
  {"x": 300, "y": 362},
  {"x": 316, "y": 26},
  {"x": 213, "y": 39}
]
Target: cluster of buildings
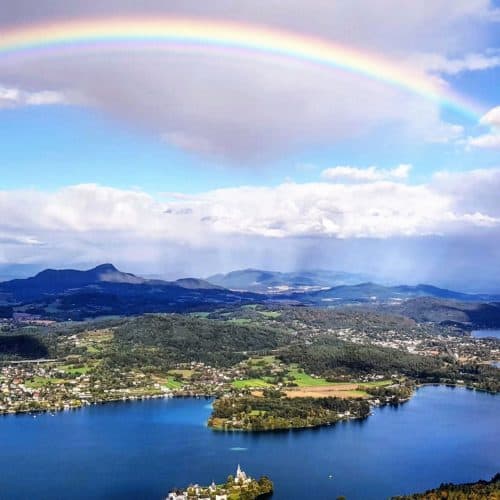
[
  {"x": 205, "y": 379},
  {"x": 27, "y": 387},
  {"x": 212, "y": 492},
  {"x": 39, "y": 386},
  {"x": 462, "y": 347}
]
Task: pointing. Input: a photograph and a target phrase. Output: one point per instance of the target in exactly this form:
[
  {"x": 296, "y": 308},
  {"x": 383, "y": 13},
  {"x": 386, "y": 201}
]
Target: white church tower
[{"x": 241, "y": 477}]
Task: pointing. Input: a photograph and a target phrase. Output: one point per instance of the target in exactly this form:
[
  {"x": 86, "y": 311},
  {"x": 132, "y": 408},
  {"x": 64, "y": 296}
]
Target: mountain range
[
  {"x": 373, "y": 292},
  {"x": 258, "y": 280},
  {"x": 104, "y": 290}
]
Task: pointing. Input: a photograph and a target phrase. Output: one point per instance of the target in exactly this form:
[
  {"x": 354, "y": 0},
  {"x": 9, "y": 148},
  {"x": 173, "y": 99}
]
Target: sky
[{"x": 177, "y": 158}]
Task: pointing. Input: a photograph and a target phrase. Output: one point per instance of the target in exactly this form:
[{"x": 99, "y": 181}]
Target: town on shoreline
[{"x": 267, "y": 369}]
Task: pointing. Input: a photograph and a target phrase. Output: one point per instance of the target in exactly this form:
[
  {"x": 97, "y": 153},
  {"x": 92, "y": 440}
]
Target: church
[
  {"x": 241, "y": 477},
  {"x": 213, "y": 491}
]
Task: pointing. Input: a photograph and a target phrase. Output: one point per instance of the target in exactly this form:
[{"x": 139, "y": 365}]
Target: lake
[
  {"x": 140, "y": 450},
  {"x": 482, "y": 334}
]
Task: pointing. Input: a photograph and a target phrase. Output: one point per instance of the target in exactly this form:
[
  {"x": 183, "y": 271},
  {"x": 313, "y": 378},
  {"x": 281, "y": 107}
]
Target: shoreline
[
  {"x": 212, "y": 396},
  {"x": 133, "y": 399}
]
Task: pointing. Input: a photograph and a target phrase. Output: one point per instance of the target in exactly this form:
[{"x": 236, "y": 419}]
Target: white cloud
[
  {"x": 492, "y": 117},
  {"x": 490, "y": 140},
  {"x": 486, "y": 141},
  {"x": 13, "y": 97},
  {"x": 45, "y": 98},
  {"x": 241, "y": 107},
  {"x": 449, "y": 219},
  {"x": 446, "y": 132},
  {"x": 473, "y": 191},
  {"x": 377, "y": 209},
  {"x": 469, "y": 62},
  {"x": 22, "y": 240},
  {"x": 368, "y": 174}
]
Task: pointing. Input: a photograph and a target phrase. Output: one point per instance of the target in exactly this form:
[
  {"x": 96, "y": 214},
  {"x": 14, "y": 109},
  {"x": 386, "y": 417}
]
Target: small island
[{"x": 238, "y": 487}]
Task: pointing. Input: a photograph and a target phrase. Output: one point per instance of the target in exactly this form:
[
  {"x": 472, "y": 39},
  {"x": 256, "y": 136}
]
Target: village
[
  {"x": 52, "y": 386},
  {"x": 81, "y": 376},
  {"x": 464, "y": 348},
  {"x": 236, "y": 487}
]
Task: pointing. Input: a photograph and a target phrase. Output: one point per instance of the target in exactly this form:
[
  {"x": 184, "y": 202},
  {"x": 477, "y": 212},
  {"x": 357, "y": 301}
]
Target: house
[{"x": 177, "y": 495}]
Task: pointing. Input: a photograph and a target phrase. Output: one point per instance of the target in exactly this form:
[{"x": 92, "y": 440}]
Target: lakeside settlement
[
  {"x": 238, "y": 487},
  {"x": 266, "y": 369}
]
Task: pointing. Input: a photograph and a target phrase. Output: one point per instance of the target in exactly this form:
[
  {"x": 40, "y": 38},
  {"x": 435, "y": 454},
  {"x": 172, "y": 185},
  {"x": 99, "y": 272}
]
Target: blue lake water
[
  {"x": 481, "y": 334},
  {"x": 140, "y": 450}
]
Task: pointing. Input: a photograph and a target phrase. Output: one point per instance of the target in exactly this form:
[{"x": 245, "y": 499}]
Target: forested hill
[
  {"x": 373, "y": 292},
  {"x": 482, "y": 490},
  {"x": 105, "y": 291}
]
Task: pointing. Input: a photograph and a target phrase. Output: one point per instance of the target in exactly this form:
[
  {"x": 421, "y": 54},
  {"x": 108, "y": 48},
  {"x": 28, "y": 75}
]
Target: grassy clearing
[
  {"x": 257, "y": 413},
  {"x": 183, "y": 373},
  {"x": 76, "y": 370},
  {"x": 93, "y": 339},
  {"x": 346, "y": 391},
  {"x": 378, "y": 383},
  {"x": 240, "y": 321},
  {"x": 304, "y": 380},
  {"x": 38, "y": 382},
  {"x": 168, "y": 381},
  {"x": 103, "y": 335},
  {"x": 263, "y": 360},
  {"x": 250, "y": 382},
  {"x": 270, "y": 314},
  {"x": 171, "y": 383}
]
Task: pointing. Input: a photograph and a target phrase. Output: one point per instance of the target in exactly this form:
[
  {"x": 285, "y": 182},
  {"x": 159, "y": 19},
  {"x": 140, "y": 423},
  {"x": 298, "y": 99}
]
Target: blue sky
[
  {"x": 73, "y": 145},
  {"x": 265, "y": 160}
]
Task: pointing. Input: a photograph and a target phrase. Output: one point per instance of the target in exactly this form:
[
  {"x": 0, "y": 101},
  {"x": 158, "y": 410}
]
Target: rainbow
[{"x": 166, "y": 33}]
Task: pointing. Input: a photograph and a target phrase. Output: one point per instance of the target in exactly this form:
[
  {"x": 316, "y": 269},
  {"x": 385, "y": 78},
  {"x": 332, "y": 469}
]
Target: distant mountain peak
[
  {"x": 266, "y": 281},
  {"x": 105, "y": 268},
  {"x": 196, "y": 283}
]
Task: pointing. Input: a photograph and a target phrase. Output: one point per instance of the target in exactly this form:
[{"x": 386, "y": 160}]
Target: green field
[
  {"x": 378, "y": 383},
  {"x": 37, "y": 382},
  {"x": 304, "y": 380},
  {"x": 250, "y": 382},
  {"x": 356, "y": 394},
  {"x": 171, "y": 383},
  {"x": 240, "y": 321},
  {"x": 270, "y": 314},
  {"x": 76, "y": 370},
  {"x": 257, "y": 413}
]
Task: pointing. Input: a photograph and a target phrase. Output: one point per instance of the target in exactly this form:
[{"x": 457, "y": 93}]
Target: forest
[
  {"x": 481, "y": 490},
  {"x": 272, "y": 412},
  {"x": 301, "y": 336}
]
